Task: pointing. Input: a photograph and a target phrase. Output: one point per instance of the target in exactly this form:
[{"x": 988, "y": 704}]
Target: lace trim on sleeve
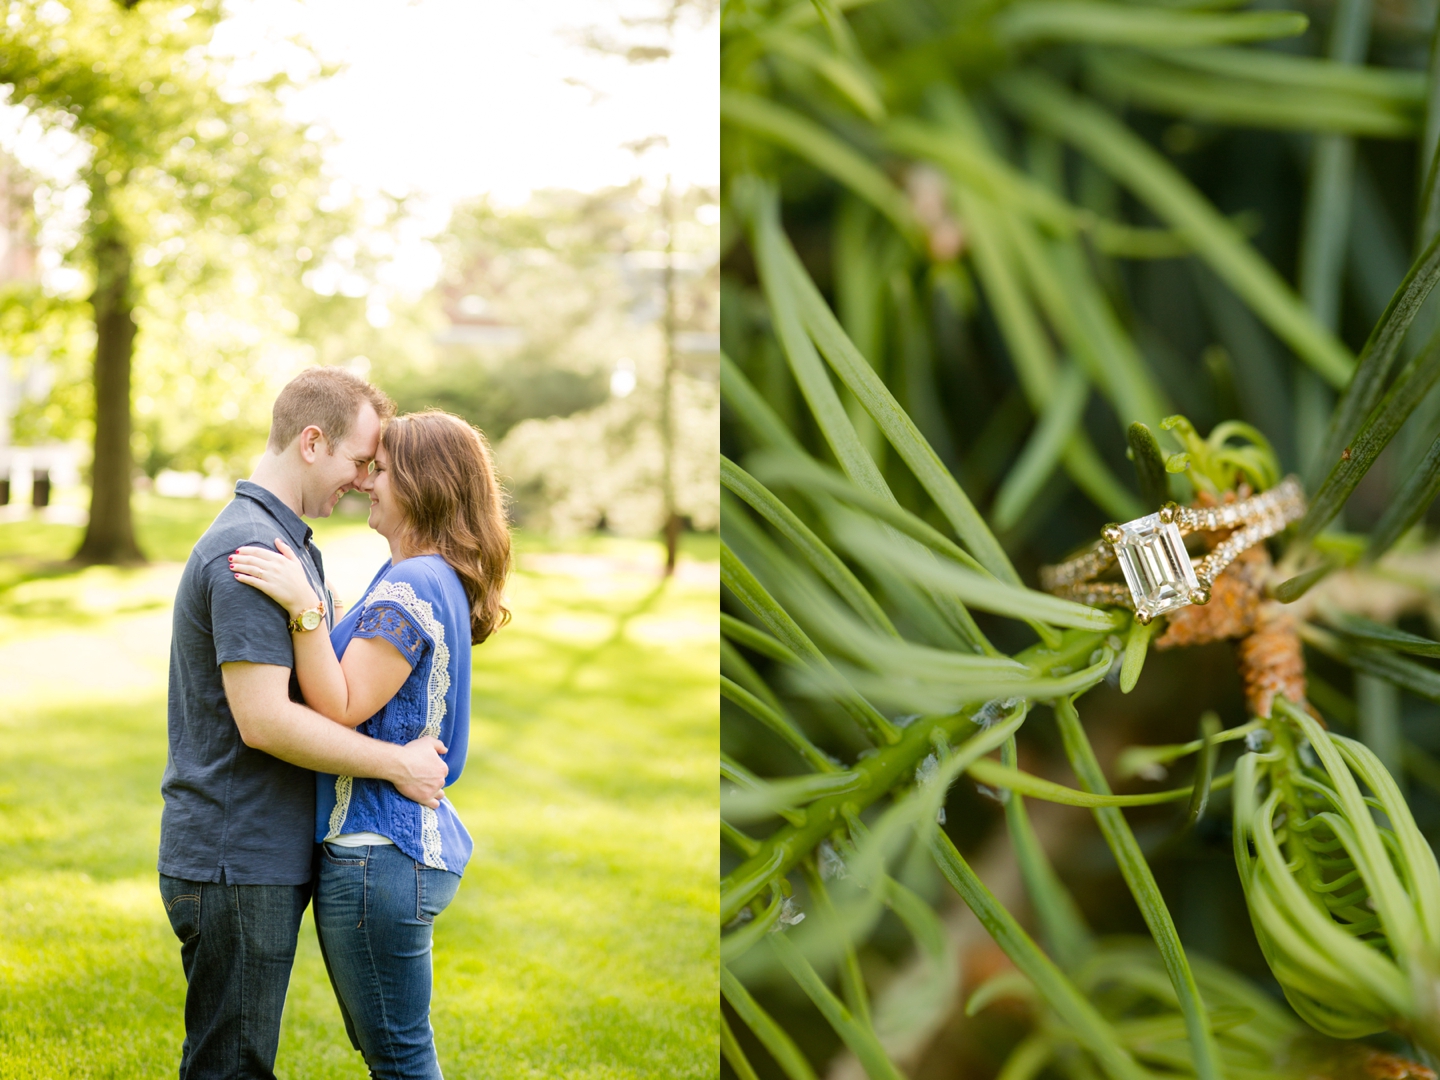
[{"x": 392, "y": 622}]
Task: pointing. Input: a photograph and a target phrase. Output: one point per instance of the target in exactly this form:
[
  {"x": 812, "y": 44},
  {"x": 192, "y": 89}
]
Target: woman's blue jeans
[{"x": 375, "y": 910}]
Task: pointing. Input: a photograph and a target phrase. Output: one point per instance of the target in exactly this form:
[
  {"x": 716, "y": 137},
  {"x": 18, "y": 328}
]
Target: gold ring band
[{"x": 1159, "y": 574}]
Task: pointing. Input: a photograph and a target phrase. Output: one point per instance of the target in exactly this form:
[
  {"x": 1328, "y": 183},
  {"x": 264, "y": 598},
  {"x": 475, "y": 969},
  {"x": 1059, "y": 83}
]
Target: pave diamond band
[{"x": 1159, "y": 574}]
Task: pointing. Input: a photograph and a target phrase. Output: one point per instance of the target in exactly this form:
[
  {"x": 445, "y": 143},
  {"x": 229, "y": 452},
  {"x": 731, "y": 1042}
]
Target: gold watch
[{"x": 308, "y": 619}]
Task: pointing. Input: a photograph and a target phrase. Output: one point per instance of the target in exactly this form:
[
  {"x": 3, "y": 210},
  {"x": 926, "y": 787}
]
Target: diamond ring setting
[{"x": 1160, "y": 576}]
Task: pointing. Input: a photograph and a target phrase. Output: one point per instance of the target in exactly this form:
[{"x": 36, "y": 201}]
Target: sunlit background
[{"x": 505, "y": 187}]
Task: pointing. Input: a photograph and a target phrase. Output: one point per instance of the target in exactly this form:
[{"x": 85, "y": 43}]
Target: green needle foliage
[
  {"x": 1346, "y": 909},
  {"x": 993, "y": 276}
]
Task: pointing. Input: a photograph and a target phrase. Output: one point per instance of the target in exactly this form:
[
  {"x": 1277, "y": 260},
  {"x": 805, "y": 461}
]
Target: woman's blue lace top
[{"x": 419, "y": 607}]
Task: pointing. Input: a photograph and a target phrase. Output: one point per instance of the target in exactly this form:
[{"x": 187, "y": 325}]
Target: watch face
[{"x": 310, "y": 619}]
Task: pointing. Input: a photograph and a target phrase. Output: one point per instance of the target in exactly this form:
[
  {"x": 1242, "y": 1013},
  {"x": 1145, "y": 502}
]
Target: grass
[{"x": 582, "y": 941}]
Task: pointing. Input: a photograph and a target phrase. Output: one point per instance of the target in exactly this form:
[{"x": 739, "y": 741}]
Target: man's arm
[{"x": 259, "y": 696}]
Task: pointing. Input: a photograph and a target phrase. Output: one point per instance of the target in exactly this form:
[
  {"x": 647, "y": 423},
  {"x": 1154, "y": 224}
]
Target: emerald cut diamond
[{"x": 1156, "y": 566}]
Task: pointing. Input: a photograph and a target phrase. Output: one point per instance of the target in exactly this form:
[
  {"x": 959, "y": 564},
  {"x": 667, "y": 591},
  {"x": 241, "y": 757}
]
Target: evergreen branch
[
  {"x": 741, "y": 396},
  {"x": 730, "y": 1049},
  {"x": 807, "y": 476},
  {"x": 821, "y": 559},
  {"x": 780, "y": 724},
  {"x": 859, "y": 376},
  {"x": 734, "y": 664},
  {"x": 1157, "y": 84},
  {"x": 772, "y": 1036},
  {"x": 1097, "y": 23},
  {"x": 805, "y": 364},
  {"x": 852, "y": 982},
  {"x": 1134, "y": 163},
  {"x": 824, "y": 151},
  {"x": 754, "y": 638},
  {"x": 858, "y": 1035},
  {"x": 1408, "y": 505},
  {"x": 975, "y": 590},
  {"x": 996, "y": 775},
  {"x": 1391, "y": 901},
  {"x": 1149, "y": 465},
  {"x": 1404, "y": 395},
  {"x": 1090, "y": 1028},
  {"x": 745, "y": 845},
  {"x": 738, "y": 942},
  {"x": 1373, "y": 633},
  {"x": 890, "y": 766},
  {"x": 1058, "y": 423},
  {"x": 1377, "y": 359},
  {"x": 1382, "y": 663},
  {"x": 1068, "y": 938},
  {"x": 1141, "y": 879},
  {"x": 1137, "y": 642},
  {"x": 1205, "y": 769},
  {"x": 736, "y": 577}
]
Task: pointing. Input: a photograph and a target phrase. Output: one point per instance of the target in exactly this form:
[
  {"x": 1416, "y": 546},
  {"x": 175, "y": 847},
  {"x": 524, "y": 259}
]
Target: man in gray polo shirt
[{"x": 237, "y": 833}]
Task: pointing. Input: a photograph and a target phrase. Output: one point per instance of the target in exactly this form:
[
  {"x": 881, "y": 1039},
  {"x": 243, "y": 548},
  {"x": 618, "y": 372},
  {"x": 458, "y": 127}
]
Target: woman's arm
[{"x": 348, "y": 692}]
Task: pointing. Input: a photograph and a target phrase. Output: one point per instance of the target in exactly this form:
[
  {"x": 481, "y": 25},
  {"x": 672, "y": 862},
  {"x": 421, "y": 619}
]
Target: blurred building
[
  {"x": 27, "y": 473},
  {"x": 18, "y": 250},
  {"x": 18, "y": 263},
  {"x": 469, "y": 323}
]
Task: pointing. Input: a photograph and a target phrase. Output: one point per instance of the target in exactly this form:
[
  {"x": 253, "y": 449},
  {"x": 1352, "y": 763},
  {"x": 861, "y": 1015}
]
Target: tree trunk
[
  {"x": 667, "y": 393},
  {"x": 110, "y": 536}
]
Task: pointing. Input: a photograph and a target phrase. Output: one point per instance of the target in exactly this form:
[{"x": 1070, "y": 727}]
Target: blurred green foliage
[
  {"x": 49, "y": 337},
  {"x": 208, "y": 203},
  {"x": 540, "y": 307},
  {"x": 497, "y": 396}
]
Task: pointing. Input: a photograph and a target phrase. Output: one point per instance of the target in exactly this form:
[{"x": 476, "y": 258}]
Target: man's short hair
[{"x": 328, "y": 397}]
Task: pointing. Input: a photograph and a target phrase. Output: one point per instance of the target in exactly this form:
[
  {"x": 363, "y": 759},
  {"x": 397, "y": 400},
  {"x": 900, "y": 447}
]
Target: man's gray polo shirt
[{"x": 232, "y": 813}]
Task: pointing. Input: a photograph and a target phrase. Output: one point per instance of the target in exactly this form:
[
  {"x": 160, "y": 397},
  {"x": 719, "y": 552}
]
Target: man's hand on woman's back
[{"x": 422, "y": 771}]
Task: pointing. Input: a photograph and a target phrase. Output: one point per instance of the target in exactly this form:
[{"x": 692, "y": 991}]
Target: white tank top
[{"x": 359, "y": 839}]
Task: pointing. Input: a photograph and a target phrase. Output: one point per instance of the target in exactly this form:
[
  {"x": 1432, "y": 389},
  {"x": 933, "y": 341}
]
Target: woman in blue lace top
[{"x": 397, "y": 667}]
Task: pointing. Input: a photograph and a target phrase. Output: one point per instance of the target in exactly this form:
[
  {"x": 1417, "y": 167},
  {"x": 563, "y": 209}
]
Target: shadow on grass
[
  {"x": 19, "y": 570},
  {"x": 41, "y": 595},
  {"x": 585, "y": 657},
  {"x": 35, "y": 552}
]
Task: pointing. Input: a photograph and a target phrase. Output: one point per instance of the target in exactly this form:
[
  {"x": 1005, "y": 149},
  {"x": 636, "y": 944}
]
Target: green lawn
[{"x": 582, "y": 942}]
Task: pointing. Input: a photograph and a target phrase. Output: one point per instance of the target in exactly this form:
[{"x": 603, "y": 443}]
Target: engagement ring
[{"x": 1159, "y": 574}]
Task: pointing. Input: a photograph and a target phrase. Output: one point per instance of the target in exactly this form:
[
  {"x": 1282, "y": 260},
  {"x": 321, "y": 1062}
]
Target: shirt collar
[{"x": 294, "y": 527}]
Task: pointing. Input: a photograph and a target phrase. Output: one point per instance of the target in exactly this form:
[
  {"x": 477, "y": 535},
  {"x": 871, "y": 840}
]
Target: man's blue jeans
[
  {"x": 237, "y": 945},
  {"x": 375, "y": 910}
]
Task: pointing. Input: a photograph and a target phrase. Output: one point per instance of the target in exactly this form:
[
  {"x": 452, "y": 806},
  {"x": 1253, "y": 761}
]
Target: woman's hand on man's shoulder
[{"x": 278, "y": 574}]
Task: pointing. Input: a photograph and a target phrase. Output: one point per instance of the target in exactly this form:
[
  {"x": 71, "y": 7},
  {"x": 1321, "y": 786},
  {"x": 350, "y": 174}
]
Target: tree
[
  {"x": 652, "y": 32},
  {"x": 204, "y": 175}
]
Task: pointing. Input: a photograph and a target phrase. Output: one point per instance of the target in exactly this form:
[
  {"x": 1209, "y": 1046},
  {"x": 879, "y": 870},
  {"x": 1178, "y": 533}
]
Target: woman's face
[{"x": 385, "y": 514}]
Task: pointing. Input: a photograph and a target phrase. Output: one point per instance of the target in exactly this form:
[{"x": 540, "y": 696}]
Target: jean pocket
[
  {"x": 182, "y": 904},
  {"x": 344, "y": 856},
  {"x": 434, "y": 889}
]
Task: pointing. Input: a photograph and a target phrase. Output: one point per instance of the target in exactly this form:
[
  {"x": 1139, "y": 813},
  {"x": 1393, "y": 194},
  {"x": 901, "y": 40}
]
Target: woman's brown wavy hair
[{"x": 443, "y": 477}]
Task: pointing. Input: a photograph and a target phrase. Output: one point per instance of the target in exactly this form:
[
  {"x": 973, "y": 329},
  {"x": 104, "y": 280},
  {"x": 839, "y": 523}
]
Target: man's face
[{"x": 344, "y": 467}]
